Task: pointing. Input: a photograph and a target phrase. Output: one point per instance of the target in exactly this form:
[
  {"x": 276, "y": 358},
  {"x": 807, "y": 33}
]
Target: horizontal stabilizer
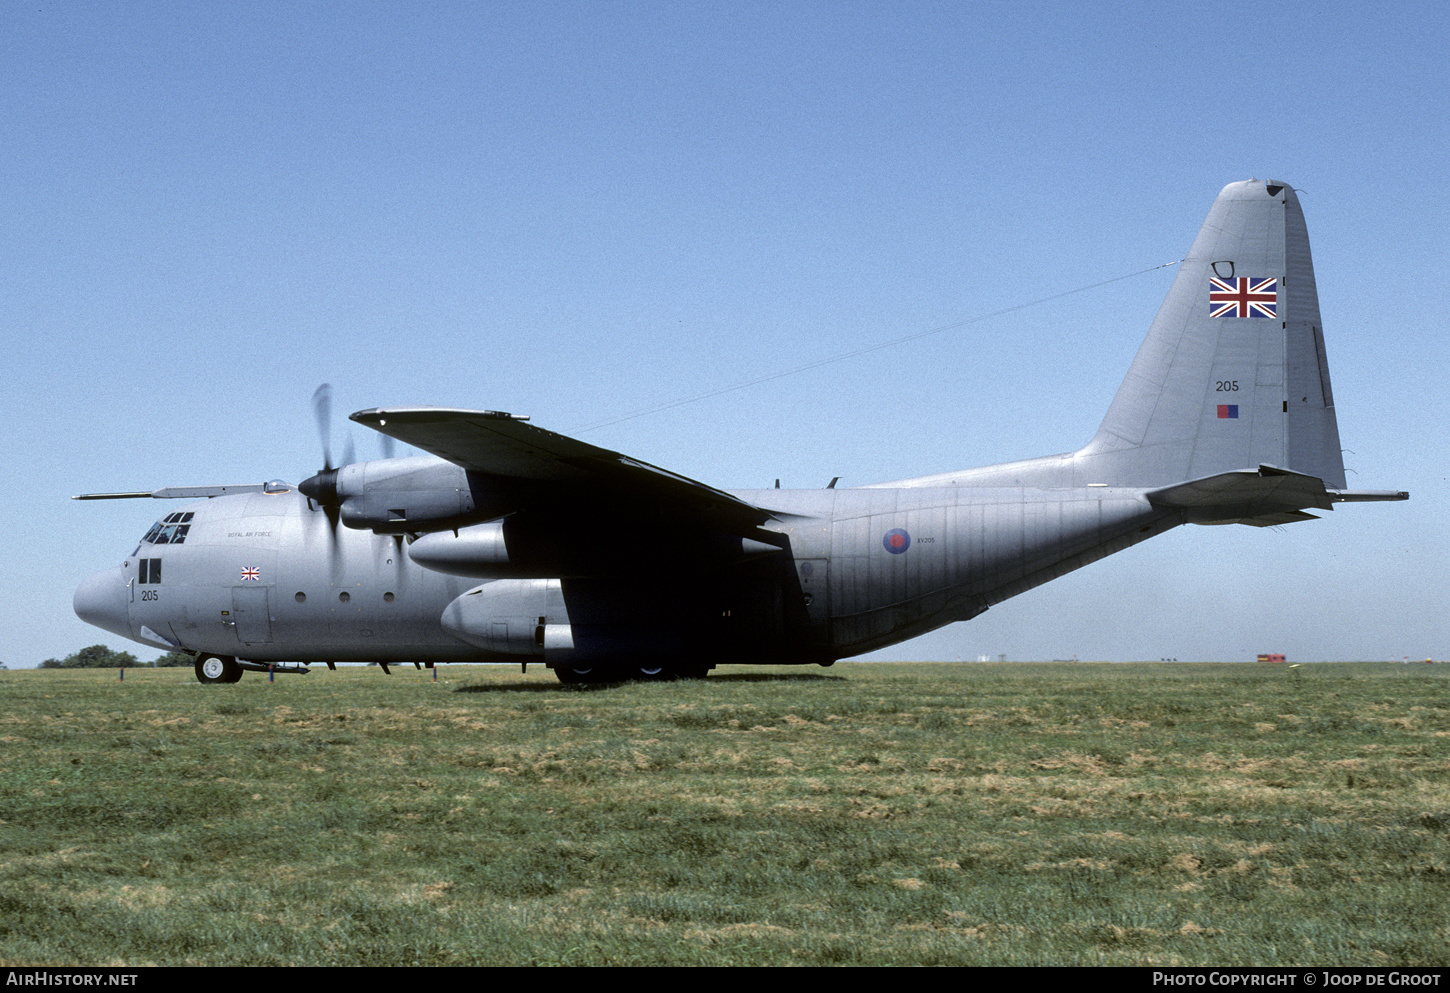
[{"x": 1259, "y": 498}]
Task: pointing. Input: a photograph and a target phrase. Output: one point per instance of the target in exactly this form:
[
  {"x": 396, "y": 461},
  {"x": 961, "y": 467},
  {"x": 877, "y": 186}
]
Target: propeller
[
  {"x": 321, "y": 488},
  {"x": 322, "y": 411}
]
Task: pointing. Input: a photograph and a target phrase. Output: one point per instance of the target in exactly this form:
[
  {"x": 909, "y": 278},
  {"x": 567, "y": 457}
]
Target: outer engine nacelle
[{"x": 393, "y": 496}]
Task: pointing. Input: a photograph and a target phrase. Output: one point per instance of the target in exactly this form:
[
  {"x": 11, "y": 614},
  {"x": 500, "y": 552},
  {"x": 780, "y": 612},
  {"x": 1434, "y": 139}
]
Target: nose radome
[{"x": 101, "y": 600}]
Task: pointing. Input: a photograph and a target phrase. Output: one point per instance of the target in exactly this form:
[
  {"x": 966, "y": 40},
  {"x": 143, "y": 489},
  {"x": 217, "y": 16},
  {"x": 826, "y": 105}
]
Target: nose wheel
[{"x": 217, "y": 669}]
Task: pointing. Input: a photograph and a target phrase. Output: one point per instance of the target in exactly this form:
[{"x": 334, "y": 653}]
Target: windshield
[{"x": 170, "y": 530}]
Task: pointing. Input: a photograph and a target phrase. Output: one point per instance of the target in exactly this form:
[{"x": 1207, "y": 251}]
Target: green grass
[{"x": 930, "y": 814}]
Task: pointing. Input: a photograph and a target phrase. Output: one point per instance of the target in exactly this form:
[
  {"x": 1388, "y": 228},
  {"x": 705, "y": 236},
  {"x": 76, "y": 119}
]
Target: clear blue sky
[{"x": 581, "y": 210}]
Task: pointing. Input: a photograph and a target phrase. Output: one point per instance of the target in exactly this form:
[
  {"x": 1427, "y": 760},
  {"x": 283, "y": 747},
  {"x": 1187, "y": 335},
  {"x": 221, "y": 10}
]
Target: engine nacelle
[
  {"x": 394, "y": 496},
  {"x": 529, "y": 617},
  {"x": 552, "y": 546},
  {"x": 512, "y": 616},
  {"x": 480, "y": 551}
]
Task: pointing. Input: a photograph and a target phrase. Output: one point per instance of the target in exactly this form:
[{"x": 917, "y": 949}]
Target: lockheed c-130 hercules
[{"x": 506, "y": 543}]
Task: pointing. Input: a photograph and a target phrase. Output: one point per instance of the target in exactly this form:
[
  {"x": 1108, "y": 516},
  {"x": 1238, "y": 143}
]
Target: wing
[{"x": 542, "y": 465}]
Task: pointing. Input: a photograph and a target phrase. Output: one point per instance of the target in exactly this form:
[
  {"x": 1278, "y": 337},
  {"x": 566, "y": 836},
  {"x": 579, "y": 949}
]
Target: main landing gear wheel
[
  {"x": 643, "y": 672},
  {"x": 575, "y": 674},
  {"x": 217, "y": 669}
]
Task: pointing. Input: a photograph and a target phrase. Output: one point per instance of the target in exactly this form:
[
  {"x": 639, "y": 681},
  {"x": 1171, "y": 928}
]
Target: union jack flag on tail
[{"x": 1243, "y": 296}]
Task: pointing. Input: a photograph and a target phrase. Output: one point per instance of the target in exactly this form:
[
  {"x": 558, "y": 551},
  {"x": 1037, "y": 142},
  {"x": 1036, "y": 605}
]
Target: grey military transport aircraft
[{"x": 510, "y": 543}]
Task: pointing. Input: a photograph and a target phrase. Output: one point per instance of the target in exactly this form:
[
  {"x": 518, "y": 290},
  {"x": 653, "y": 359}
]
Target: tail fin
[
  {"x": 1233, "y": 373},
  {"x": 1226, "y": 413}
]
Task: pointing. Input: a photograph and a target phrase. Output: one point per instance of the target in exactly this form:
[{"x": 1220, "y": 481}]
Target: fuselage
[{"x": 268, "y": 577}]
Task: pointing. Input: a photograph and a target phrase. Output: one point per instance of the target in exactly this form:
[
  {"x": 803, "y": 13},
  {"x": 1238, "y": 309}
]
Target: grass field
[{"x": 927, "y": 814}]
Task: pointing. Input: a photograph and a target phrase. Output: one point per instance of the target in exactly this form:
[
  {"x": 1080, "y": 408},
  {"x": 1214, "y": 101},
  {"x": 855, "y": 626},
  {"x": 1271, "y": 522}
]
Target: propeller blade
[
  {"x": 322, "y": 409},
  {"x": 321, "y": 488}
]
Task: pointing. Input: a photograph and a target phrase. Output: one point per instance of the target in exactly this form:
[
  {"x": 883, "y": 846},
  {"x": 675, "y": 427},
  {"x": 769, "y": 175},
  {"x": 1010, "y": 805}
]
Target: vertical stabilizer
[{"x": 1233, "y": 372}]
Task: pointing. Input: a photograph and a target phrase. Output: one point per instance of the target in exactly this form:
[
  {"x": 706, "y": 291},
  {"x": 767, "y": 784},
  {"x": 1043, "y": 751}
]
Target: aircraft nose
[{"x": 101, "y": 600}]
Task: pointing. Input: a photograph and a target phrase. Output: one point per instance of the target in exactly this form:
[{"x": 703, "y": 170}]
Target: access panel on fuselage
[{"x": 250, "y": 616}]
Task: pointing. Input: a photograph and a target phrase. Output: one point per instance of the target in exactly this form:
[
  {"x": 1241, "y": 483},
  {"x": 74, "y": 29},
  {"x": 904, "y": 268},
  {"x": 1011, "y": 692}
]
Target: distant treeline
[{"x": 101, "y": 657}]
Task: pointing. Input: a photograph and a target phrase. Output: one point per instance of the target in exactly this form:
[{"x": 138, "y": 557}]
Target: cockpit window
[{"x": 170, "y": 530}]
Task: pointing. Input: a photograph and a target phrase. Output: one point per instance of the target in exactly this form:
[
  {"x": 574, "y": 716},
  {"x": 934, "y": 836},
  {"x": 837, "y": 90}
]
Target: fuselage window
[{"x": 150, "y": 572}]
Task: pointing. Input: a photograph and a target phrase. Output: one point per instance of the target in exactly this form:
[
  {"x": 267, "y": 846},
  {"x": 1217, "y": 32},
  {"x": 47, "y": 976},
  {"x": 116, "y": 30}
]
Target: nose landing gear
[{"x": 217, "y": 669}]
